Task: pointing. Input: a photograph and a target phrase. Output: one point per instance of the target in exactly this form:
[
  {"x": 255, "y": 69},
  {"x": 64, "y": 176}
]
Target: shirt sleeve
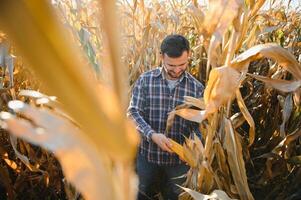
[{"x": 136, "y": 110}]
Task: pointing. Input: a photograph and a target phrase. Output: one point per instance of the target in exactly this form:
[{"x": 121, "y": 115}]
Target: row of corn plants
[{"x": 249, "y": 117}]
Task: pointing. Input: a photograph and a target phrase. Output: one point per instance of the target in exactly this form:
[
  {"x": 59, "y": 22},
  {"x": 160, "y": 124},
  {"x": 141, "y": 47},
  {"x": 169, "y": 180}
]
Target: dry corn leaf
[
  {"x": 279, "y": 84},
  {"x": 232, "y": 145},
  {"x": 172, "y": 114},
  {"x": 286, "y": 113},
  {"x": 11, "y": 163},
  {"x": 258, "y": 4},
  {"x": 215, "y": 195},
  {"x": 8, "y": 161},
  {"x": 199, "y": 103},
  {"x": 285, "y": 143},
  {"x": 190, "y": 156},
  {"x": 252, "y": 36},
  {"x": 243, "y": 29},
  {"x": 221, "y": 157},
  {"x": 42, "y": 99},
  {"x": 7, "y": 61},
  {"x": 220, "y": 15},
  {"x": 191, "y": 114},
  {"x": 297, "y": 97},
  {"x": 57, "y": 63},
  {"x": 169, "y": 121},
  {"x": 35, "y": 94},
  {"x": 237, "y": 120},
  {"x": 208, "y": 153},
  {"x": 111, "y": 29},
  {"x": 199, "y": 145},
  {"x": 235, "y": 34},
  {"x": 218, "y": 19},
  {"x": 272, "y": 51},
  {"x": 24, "y": 159},
  {"x": 221, "y": 87},
  {"x": 244, "y": 110},
  {"x": 80, "y": 160},
  {"x": 209, "y": 177},
  {"x": 292, "y": 137},
  {"x": 250, "y": 3},
  {"x": 197, "y": 15}
]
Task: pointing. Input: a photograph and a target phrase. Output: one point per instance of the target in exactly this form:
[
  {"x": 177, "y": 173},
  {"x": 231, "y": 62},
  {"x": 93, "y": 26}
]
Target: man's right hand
[{"x": 162, "y": 141}]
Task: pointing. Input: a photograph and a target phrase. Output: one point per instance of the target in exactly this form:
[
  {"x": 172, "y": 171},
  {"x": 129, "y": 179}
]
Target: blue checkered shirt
[{"x": 150, "y": 104}]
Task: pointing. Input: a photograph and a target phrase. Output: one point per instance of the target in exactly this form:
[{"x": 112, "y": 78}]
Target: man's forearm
[{"x": 143, "y": 127}]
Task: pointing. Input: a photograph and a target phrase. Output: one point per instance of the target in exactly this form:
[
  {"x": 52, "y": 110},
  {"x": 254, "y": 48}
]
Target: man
[{"x": 155, "y": 94}]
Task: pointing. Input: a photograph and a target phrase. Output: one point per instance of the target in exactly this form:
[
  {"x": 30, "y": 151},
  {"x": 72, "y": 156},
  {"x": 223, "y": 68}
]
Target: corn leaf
[
  {"x": 279, "y": 84},
  {"x": 191, "y": 114},
  {"x": 221, "y": 87},
  {"x": 272, "y": 51},
  {"x": 199, "y": 103},
  {"x": 80, "y": 161},
  {"x": 216, "y": 194},
  {"x": 247, "y": 116},
  {"x": 286, "y": 113},
  {"x": 236, "y": 162}
]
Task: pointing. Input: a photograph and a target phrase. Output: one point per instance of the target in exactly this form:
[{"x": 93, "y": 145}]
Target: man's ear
[
  {"x": 161, "y": 55},
  {"x": 189, "y": 54}
]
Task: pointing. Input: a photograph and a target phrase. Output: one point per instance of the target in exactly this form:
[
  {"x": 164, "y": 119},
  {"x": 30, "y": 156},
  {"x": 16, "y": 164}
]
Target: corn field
[{"x": 67, "y": 69}]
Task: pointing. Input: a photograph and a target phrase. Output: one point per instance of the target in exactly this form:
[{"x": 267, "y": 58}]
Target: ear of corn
[{"x": 178, "y": 149}]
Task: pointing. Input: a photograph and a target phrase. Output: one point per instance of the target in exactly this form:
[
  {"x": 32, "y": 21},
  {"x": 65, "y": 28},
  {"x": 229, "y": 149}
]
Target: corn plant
[{"x": 245, "y": 52}]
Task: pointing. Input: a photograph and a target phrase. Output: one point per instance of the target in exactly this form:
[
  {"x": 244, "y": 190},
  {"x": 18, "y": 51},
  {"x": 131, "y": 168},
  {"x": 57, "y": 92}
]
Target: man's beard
[{"x": 175, "y": 76}]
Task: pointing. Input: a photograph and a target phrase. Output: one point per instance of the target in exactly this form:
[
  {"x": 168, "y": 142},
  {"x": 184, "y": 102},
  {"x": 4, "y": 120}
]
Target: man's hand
[{"x": 162, "y": 141}]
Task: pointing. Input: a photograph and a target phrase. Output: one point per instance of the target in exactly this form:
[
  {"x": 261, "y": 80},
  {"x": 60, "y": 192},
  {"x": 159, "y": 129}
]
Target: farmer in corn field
[{"x": 155, "y": 94}]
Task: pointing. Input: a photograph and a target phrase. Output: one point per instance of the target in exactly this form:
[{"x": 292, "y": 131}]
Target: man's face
[{"x": 175, "y": 67}]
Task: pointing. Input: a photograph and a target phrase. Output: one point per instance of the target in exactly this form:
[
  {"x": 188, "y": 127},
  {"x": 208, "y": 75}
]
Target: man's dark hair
[{"x": 174, "y": 45}]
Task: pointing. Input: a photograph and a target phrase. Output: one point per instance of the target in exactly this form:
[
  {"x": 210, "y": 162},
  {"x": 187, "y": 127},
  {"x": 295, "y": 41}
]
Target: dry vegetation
[{"x": 250, "y": 116}]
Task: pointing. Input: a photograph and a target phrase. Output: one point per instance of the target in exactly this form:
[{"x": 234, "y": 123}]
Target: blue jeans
[{"x": 155, "y": 178}]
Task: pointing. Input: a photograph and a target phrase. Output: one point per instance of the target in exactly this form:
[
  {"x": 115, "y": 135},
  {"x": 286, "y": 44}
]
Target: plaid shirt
[{"x": 150, "y": 104}]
